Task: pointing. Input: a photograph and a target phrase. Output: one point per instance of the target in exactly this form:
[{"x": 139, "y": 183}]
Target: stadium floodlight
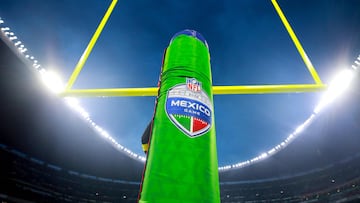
[
  {"x": 357, "y": 63},
  {"x": 5, "y": 28},
  {"x": 291, "y": 136},
  {"x": 17, "y": 43},
  {"x": 299, "y": 129},
  {"x": 23, "y": 50},
  {"x": 9, "y": 34},
  {"x": 264, "y": 155},
  {"x": 271, "y": 151},
  {"x": 338, "y": 85},
  {"x": 12, "y": 38}
]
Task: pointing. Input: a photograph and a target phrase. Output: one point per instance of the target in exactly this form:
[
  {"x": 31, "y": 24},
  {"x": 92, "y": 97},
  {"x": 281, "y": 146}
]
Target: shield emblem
[{"x": 189, "y": 109}]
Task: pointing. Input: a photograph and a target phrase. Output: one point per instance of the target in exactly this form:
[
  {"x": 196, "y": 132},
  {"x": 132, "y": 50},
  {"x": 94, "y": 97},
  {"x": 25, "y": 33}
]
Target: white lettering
[
  {"x": 191, "y": 107},
  {"x": 183, "y": 103},
  {"x": 175, "y": 103}
]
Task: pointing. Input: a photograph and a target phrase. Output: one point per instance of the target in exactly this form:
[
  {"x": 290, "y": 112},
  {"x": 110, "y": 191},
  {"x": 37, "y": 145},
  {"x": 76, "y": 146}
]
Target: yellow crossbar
[{"x": 217, "y": 90}]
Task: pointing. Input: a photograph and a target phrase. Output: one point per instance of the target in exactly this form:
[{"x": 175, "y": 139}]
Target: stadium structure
[{"x": 41, "y": 163}]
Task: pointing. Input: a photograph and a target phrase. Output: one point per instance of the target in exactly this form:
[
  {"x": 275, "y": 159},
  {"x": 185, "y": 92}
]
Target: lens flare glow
[
  {"x": 337, "y": 87},
  {"x": 52, "y": 81}
]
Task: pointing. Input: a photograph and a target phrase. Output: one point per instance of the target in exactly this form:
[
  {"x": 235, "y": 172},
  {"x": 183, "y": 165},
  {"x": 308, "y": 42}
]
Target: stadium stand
[
  {"x": 27, "y": 179},
  {"x": 336, "y": 182}
]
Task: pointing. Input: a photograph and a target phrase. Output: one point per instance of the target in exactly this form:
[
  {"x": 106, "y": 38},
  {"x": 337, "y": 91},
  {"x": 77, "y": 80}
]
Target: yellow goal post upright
[{"x": 217, "y": 90}]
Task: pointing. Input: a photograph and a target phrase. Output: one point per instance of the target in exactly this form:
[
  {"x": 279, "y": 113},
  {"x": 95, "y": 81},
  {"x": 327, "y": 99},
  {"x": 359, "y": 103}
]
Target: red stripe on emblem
[{"x": 198, "y": 125}]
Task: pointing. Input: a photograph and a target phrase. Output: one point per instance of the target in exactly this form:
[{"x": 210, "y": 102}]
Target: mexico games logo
[{"x": 189, "y": 108}]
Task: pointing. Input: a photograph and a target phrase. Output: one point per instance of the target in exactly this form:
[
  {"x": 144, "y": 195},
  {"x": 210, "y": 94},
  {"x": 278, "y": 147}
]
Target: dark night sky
[{"x": 248, "y": 45}]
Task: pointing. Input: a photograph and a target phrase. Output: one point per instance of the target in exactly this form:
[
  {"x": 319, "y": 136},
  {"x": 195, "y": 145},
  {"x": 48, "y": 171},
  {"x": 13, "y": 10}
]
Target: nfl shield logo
[
  {"x": 189, "y": 108},
  {"x": 193, "y": 85}
]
